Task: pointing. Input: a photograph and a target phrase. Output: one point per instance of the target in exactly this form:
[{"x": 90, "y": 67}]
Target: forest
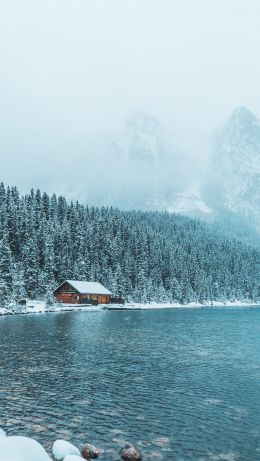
[{"x": 142, "y": 256}]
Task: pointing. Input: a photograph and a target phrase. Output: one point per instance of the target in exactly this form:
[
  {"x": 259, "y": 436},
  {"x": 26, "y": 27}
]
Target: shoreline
[
  {"x": 126, "y": 307},
  {"x": 194, "y": 305}
]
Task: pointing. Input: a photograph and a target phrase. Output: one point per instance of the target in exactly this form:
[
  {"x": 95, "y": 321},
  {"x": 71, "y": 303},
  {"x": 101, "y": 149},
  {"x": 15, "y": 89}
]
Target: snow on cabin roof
[{"x": 88, "y": 288}]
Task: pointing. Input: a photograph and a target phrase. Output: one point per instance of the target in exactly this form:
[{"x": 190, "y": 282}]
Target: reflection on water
[{"x": 182, "y": 385}]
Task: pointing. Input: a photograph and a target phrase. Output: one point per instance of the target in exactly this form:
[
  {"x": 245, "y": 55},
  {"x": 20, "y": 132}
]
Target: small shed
[{"x": 82, "y": 292}]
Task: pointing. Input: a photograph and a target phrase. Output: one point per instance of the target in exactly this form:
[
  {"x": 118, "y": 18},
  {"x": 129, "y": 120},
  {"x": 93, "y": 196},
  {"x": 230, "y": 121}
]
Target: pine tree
[
  {"x": 6, "y": 271},
  {"x": 30, "y": 260},
  {"x": 143, "y": 256}
]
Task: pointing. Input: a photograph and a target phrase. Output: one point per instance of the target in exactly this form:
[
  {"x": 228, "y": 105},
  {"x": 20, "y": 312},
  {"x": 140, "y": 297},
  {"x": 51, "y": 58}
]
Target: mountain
[
  {"x": 142, "y": 139},
  {"x": 142, "y": 168},
  {"x": 190, "y": 202},
  {"x": 234, "y": 175},
  {"x": 146, "y": 170}
]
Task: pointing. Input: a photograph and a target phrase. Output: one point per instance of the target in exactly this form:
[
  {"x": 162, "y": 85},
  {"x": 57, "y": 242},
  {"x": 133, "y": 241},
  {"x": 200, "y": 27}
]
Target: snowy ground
[
  {"x": 39, "y": 309},
  {"x": 139, "y": 306}
]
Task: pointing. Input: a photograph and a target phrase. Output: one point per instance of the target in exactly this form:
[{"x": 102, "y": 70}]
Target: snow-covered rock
[
  {"x": 2, "y": 433},
  {"x": 62, "y": 448},
  {"x": 73, "y": 458},
  {"x": 17, "y": 448},
  {"x": 189, "y": 202}
]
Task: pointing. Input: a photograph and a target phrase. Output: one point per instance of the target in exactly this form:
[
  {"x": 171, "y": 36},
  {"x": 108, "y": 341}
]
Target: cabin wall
[
  {"x": 102, "y": 299},
  {"x": 69, "y": 298},
  {"x": 75, "y": 298}
]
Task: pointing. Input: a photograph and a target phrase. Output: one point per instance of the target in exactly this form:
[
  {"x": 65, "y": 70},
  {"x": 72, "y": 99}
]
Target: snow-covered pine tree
[
  {"x": 143, "y": 256},
  {"x": 6, "y": 272}
]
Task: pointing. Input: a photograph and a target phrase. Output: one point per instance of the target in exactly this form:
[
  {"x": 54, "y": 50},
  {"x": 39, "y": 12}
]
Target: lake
[{"x": 181, "y": 384}]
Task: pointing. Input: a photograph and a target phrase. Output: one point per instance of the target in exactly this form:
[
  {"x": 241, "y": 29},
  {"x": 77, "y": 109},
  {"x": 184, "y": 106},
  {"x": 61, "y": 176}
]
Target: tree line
[{"x": 142, "y": 256}]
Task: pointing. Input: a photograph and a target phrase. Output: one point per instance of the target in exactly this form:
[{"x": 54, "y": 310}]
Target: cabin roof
[{"x": 87, "y": 288}]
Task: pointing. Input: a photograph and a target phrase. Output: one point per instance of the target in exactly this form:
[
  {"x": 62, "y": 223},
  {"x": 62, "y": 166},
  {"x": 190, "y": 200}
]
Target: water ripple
[{"x": 181, "y": 385}]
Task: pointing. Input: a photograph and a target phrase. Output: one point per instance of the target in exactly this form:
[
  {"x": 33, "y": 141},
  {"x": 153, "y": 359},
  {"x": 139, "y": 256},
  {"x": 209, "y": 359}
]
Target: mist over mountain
[
  {"x": 68, "y": 109},
  {"x": 138, "y": 168},
  {"x": 143, "y": 166},
  {"x": 147, "y": 171},
  {"x": 234, "y": 174},
  {"x": 142, "y": 139},
  {"x": 232, "y": 187}
]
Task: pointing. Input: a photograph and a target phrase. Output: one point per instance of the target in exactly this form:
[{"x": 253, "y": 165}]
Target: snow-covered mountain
[
  {"x": 142, "y": 139},
  {"x": 141, "y": 168},
  {"x": 234, "y": 176},
  {"x": 146, "y": 170},
  {"x": 191, "y": 202}
]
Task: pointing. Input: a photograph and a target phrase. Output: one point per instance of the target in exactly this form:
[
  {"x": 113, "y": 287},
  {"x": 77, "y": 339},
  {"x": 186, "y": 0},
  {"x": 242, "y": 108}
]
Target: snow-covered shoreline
[
  {"x": 42, "y": 309},
  {"x": 56, "y": 308},
  {"x": 194, "y": 305}
]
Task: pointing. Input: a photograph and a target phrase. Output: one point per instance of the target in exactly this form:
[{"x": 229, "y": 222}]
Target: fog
[{"x": 73, "y": 72}]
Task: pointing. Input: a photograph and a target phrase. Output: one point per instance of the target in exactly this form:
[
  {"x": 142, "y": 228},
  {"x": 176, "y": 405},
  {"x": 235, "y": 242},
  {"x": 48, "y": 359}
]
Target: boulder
[
  {"x": 90, "y": 452},
  {"x": 130, "y": 453},
  {"x": 17, "y": 448},
  {"x": 62, "y": 448}
]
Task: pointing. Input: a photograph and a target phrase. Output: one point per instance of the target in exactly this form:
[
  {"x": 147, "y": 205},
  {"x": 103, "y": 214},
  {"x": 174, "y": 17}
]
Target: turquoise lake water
[{"x": 181, "y": 384}]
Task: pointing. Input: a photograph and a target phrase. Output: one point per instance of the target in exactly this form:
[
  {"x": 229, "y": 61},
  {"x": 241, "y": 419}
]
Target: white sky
[{"x": 71, "y": 68}]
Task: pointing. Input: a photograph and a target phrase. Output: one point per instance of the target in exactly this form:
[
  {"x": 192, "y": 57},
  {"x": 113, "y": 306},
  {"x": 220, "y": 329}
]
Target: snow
[
  {"x": 189, "y": 201},
  {"x": 35, "y": 302},
  {"x": 72, "y": 458},
  {"x": 62, "y": 448},
  {"x": 2, "y": 433},
  {"x": 14, "y": 309},
  {"x": 193, "y": 305},
  {"x": 59, "y": 308},
  {"x": 89, "y": 287},
  {"x": 17, "y": 448}
]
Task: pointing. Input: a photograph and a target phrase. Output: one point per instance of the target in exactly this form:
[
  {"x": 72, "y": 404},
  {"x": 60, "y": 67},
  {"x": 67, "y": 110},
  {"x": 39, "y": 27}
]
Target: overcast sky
[{"x": 73, "y": 68}]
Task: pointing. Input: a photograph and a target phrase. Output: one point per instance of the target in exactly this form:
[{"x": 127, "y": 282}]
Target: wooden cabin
[{"x": 80, "y": 292}]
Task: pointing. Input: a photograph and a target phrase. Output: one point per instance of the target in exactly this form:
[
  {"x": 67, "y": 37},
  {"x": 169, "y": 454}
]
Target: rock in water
[
  {"x": 130, "y": 453},
  {"x": 90, "y": 452},
  {"x": 62, "y": 448}
]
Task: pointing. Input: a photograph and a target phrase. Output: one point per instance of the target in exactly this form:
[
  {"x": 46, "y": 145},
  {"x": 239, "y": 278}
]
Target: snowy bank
[
  {"x": 194, "y": 305},
  {"x": 12, "y": 310},
  {"x": 40, "y": 309}
]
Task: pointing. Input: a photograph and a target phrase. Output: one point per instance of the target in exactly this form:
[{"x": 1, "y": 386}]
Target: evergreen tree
[
  {"x": 30, "y": 260},
  {"x": 142, "y": 256},
  {"x": 6, "y": 272}
]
